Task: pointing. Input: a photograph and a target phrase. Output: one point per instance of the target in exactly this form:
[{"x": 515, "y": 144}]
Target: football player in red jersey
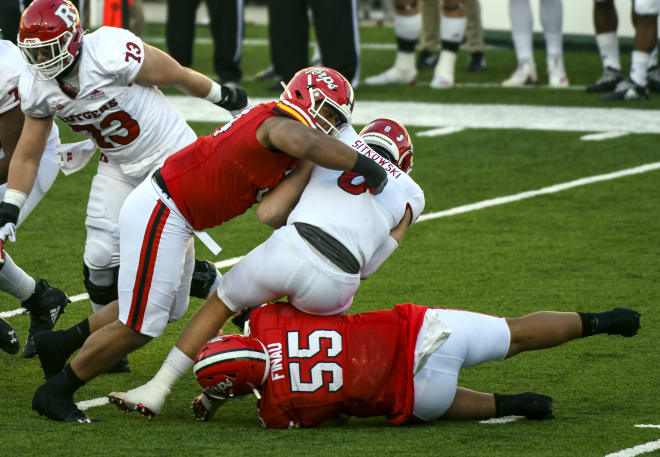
[
  {"x": 330, "y": 233},
  {"x": 203, "y": 185},
  {"x": 402, "y": 363}
]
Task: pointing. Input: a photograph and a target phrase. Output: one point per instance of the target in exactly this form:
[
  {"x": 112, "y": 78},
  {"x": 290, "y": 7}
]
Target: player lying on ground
[
  {"x": 401, "y": 363},
  {"x": 203, "y": 185},
  {"x": 336, "y": 234}
]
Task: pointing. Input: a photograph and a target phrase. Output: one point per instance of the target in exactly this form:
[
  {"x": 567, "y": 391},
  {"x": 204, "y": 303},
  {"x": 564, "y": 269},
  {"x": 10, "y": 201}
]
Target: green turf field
[{"x": 588, "y": 248}]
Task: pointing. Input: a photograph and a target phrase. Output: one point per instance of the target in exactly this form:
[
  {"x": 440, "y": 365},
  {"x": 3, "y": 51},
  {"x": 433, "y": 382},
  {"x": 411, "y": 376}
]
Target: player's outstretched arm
[
  {"x": 27, "y": 155},
  {"x": 160, "y": 69},
  {"x": 276, "y": 205},
  {"x": 304, "y": 142}
]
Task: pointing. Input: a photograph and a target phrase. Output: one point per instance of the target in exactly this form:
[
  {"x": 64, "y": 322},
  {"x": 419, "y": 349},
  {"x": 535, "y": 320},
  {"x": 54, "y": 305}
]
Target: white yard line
[
  {"x": 637, "y": 450},
  {"x": 460, "y": 210},
  {"x": 600, "y": 136},
  {"x": 501, "y": 420},
  {"x": 440, "y": 131}
]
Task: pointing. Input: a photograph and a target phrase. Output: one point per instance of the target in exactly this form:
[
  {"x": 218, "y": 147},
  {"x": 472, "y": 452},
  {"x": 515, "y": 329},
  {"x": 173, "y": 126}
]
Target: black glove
[
  {"x": 374, "y": 174},
  {"x": 232, "y": 99},
  {"x": 8, "y": 213}
]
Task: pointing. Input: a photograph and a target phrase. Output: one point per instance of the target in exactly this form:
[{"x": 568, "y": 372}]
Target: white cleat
[
  {"x": 524, "y": 75},
  {"x": 557, "y": 73},
  {"x": 394, "y": 75},
  {"x": 147, "y": 399},
  {"x": 440, "y": 82}
]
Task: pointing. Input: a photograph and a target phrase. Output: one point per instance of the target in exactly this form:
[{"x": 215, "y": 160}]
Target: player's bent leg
[
  {"x": 149, "y": 398},
  {"x": 46, "y": 305},
  {"x": 470, "y": 405}
]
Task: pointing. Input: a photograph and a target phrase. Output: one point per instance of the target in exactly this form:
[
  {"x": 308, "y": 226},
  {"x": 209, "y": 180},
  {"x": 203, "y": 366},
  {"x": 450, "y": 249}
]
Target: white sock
[
  {"x": 96, "y": 306},
  {"x": 175, "y": 365},
  {"x": 15, "y": 281},
  {"x": 639, "y": 64},
  {"x": 408, "y": 27},
  {"x": 452, "y": 28},
  {"x": 520, "y": 13},
  {"x": 608, "y": 46},
  {"x": 551, "y": 16},
  {"x": 405, "y": 61}
]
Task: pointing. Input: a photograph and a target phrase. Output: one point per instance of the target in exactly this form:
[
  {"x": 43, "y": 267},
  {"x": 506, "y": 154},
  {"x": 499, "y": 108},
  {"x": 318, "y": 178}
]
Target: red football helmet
[
  {"x": 312, "y": 88},
  {"x": 231, "y": 365},
  {"x": 49, "y": 37},
  {"x": 391, "y": 140}
]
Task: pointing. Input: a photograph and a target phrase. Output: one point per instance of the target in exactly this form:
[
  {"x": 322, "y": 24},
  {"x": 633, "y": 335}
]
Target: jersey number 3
[
  {"x": 120, "y": 120},
  {"x": 336, "y": 378}
]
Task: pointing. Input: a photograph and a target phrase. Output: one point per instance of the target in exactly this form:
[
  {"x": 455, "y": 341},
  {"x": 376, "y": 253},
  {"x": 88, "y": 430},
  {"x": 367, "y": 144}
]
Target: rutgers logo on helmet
[
  {"x": 231, "y": 365},
  {"x": 313, "y": 88},
  {"x": 391, "y": 140},
  {"x": 49, "y": 37}
]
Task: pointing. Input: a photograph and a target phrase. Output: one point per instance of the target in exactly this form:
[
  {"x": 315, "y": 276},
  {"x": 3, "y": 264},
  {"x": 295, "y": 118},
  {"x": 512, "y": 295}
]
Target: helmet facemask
[{"x": 58, "y": 47}]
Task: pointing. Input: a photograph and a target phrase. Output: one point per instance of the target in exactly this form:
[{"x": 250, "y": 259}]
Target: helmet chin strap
[{"x": 256, "y": 393}]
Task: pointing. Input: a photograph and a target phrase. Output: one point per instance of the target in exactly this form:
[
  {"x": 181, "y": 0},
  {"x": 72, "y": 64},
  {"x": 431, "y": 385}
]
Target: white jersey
[
  {"x": 133, "y": 125},
  {"x": 366, "y": 219},
  {"x": 11, "y": 69}
]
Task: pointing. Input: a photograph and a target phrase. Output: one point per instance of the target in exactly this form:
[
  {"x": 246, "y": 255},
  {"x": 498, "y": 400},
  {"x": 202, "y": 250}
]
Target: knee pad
[
  {"x": 96, "y": 283},
  {"x": 101, "y": 249}
]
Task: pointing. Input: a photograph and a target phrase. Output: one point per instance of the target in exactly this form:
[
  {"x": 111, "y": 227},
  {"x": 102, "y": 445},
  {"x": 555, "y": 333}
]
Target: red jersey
[
  {"x": 220, "y": 176},
  {"x": 321, "y": 366}
]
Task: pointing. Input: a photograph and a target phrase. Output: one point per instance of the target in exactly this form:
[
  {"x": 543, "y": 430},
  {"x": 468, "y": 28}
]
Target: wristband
[
  {"x": 15, "y": 197},
  {"x": 215, "y": 94}
]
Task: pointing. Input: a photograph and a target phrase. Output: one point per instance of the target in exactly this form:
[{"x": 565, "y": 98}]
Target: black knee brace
[{"x": 101, "y": 295}]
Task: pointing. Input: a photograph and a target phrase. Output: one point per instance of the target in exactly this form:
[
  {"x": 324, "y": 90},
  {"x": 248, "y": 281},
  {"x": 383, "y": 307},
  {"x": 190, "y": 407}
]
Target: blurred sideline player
[
  {"x": 402, "y": 363},
  {"x": 407, "y": 28},
  {"x": 44, "y": 303},
  {"x": 522, "y": 24},
  {"x": 104, "y": 85},
  {"x": 334, "y": 235},
  {"x": 644, "y": 53},
  {"x": 203, "y": 185}
]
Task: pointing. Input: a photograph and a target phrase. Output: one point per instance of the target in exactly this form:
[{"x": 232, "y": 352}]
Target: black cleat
[
  {"x": 536, "y": 406},
  {"x": 46, "y": 305},
  {"x": 8, "y": 339},
  {"x": 267, "y": 75},
  {"x": 427, "y": 60},
  {"x": 123, "y": 366},
  {"x": 653, "y": 79},
  {"x": 58, "y": 407},
  {"x": 52, "y": 359},
  {"x": 607, "y": 82},
  {"x": 476, "y": 62},
  {"x": 624, "y": 322},
  {"x": 203, "y": 278}
]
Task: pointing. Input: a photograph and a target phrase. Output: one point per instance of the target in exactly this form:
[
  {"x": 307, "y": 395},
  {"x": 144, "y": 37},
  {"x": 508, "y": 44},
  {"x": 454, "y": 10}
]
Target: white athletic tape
[{"x": 501, "y": 420}]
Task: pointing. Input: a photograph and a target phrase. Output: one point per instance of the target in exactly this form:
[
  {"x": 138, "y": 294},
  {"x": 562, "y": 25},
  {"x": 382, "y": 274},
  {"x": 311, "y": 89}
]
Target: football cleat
[
  {"x": 443, "y": 74},
  {"x": 524, "y": 75},
  {"x": 58, "y": 407},
  {"x": 653, "y": 79},
  {"x": 476, "y": 62},
  {"x": 607, "y": 82},
  {"x": 427, "y": 60},
  {"x": 46, "y": 305},
  {"x": 557, "y": 73},
  {"x": 394, "y": 75},
  {"x": 626, "y": 90},
  {"x": 204, "y": 406},
  {"x": 204, "y": 277},
  {"x": 8, "y": 339},
  {"x": 440, "y": 82},
  {"x": 148, "y": 399}
]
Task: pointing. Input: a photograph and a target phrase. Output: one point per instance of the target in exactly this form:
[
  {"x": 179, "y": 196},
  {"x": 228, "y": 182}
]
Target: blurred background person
[
  {"x": 643, "y": 61},
  {"x": 522, "y": 23},
  {"x": 226, "y": 21},
  {"x": 430, "y": 43},
  {"x": 336, "y": 27}
]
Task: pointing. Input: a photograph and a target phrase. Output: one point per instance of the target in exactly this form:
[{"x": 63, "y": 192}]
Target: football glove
[
  {"x": 232, "y": 100},
  {"x": 374, "y": 174},
  {"x": 8, "y": 219}
]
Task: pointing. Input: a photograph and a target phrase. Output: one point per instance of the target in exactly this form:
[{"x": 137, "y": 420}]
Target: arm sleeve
[{"x": 382, "y": 253}]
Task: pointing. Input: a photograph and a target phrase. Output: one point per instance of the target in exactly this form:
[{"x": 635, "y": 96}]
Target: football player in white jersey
[
  {"x": 104, "y": 85},
  {"x": 332, "y": 233},
  {"x": 36, "y": 296}
]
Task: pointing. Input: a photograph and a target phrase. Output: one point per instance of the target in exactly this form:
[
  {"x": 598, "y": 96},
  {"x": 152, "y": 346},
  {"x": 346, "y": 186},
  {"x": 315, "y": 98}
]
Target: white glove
[{"x": 8, "y": 232}]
